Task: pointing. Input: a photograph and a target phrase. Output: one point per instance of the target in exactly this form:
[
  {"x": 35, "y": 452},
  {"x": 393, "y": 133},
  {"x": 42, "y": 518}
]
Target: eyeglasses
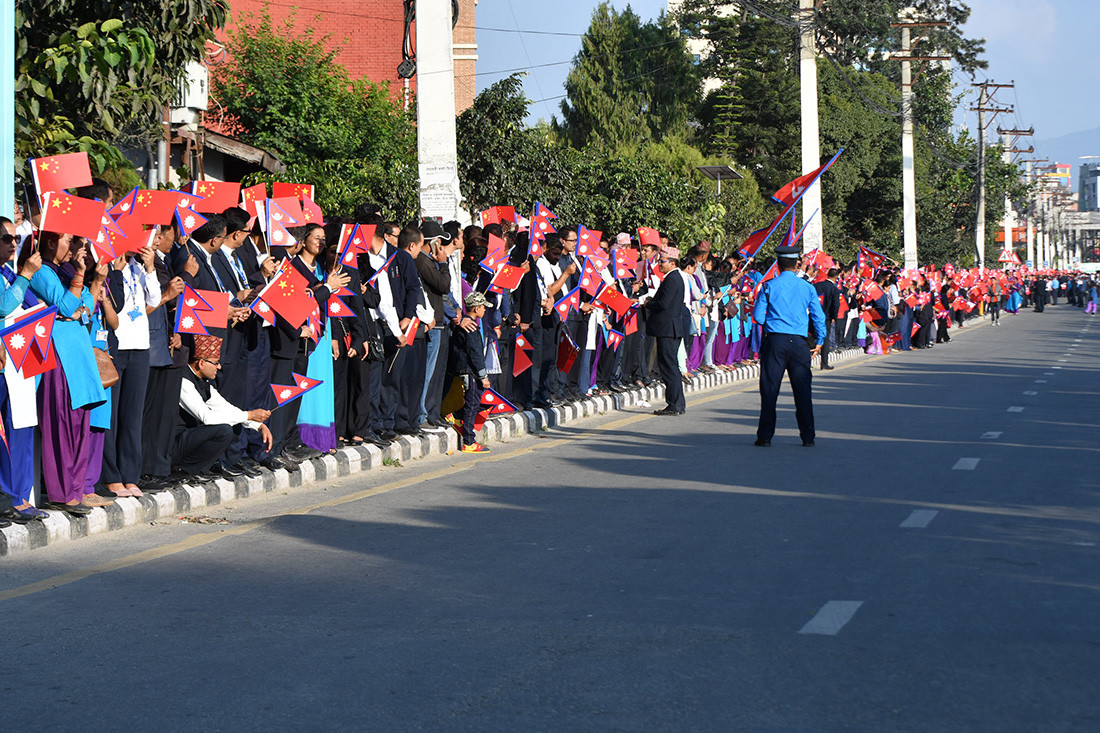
[
  {"x": 215, "y": 364},
  {"x": 7, "y": 238}
]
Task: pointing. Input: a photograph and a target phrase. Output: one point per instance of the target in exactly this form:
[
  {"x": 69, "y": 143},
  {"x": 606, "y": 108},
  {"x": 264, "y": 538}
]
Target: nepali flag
[
  {"x": 188, "y": 220},
  {"x": 134, "y": 237},
  {"x": 384, "y": 268},
  {"x": 337, "y": 308},
  {"x": 497, "y": 254},
  {"x": 521, "y": 362},
  {"x": 875, "y": 258},
  {"x": 590, "y": 280},
  {"x": 624, "y": 262},
  {"x": 285, "y": 393},
  {"x": 614, "y": 339},
  {"x": 569, "y": 301},
  {"x": 58, "y": 172},
  {"x": 793, "y": 191},
  {"x": 495, "y": 402},
  {"x": 278, "y": 219},
  {"x": 31, "y": 333},
  {"x": 588, "y": 242},
  {"x": 757, "y": 239},
  {"x": 540, "y": 227},
  {"x": 567, "y": 352},
  {"x": 125, "y": 205},
  {"x": 197, "y": 311}
]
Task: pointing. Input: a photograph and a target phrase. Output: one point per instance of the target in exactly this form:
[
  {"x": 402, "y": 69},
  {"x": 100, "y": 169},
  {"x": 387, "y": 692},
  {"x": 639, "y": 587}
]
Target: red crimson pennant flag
[
  {"x": 614, "y": 338},
  {"x": 540, "y": 227},
  {"x": 521, "y": 362},
  {"x": 384, "y": 268},
  {"x": 197, "y": 311},
  {"x": 523, "y": 343},
  {"x": 569, "y": 301},
  {"x": 338, "y": 308},
  {"x": 588, "y": 241},
  {"x": 567, "y": 352},
  {"x": 793, "y": 191},
  {"x": 125, "y": 205},
  {"x": 58, "y": 172},
  {"x": 217, "y": 196},
  {"x": 756, "y": 240},
  {"x": 285, "y": 393},
  {"x": 67, "y": 214},
  {"x": 134, "y": 237},
  {"x": 288, "y": 295},
  {"x": 624, "y": 262},
  {"x": 875, "y": 258},
  {"x": 293, "y": 209},
  {"x": 590, "y": 280},
  {"x": 278, "y": 219},
  {"x": 497, "y": 254},
  {"x": 292, "y": 190},
  {"x": 188, "y": 220},
  {"x": 496, "y": 403},
  {"x": 31, "y": 332},
  {"x": 362, "y": 237},
  {"x": 615, "y": 300},
  {"x": 630, "y": 321}
]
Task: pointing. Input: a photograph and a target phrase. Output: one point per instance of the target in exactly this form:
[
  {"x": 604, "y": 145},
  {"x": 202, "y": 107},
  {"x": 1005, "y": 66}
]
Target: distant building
[{"x": 1088, "y": 195}]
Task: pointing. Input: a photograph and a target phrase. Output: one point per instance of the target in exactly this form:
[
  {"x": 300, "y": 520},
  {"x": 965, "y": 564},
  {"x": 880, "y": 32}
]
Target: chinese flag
[
  {"x": 252, "y": 194},
  {"x": 292, "y": 190},
  {"x": 217, "y": 196},
  {"x": 67, "y": 214},
  {"x": 647, "y": 235},
  {"x": 133, "y": 238},
  {"x": 509, "y": 277},
  {"x": 289, "y": 296},
  {"x": 615, "y": 300},
  {"x": 59, "y": 172},
  {"x": 157, "y": 207},
  {"x": 311, "y": 212}
]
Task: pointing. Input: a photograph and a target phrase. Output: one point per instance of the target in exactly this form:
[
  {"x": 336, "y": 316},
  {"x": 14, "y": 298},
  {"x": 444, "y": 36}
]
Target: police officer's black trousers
[{"x": 779, "y": 353}]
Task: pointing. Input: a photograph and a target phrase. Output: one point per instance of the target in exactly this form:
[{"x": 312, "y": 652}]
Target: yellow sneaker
[{"x": 474, "y": 448}]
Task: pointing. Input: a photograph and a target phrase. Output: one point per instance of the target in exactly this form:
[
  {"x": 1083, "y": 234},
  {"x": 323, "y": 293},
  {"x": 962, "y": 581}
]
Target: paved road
[{"x": 930, "y": 565}]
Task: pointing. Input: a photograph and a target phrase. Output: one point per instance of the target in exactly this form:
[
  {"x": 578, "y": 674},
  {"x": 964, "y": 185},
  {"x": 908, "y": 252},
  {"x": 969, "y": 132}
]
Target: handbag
[
  {"x": 376, "y": 352},
  {"x": 106, "y": 366}
]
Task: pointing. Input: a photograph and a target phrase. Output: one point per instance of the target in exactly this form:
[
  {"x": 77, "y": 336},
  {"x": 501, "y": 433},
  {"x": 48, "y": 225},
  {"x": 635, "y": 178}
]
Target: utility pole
[
  {"x": 908, "y": 176},
  {"x": 984, "y": 98},
  {"x": 1008, "y": 156},
  {"x": 7, "y": 120},
  {"x": 437, "y": 144},
  {"x": 1033, "y": 214},
  {"x": 811, "y": 143}
]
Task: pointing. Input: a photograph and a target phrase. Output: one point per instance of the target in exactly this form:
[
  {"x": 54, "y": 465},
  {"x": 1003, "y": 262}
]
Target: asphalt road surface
[{"x": 930, "y": 565}]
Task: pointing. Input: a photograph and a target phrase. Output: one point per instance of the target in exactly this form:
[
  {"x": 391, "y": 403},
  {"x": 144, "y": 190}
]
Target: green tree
[
  {"x": 95, "y": 75},
  {"x": 630, "y": 82},
  {"x": 351, "y": 138}
]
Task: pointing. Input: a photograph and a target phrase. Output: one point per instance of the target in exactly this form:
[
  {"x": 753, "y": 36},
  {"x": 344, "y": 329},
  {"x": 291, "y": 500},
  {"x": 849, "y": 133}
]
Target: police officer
[{"x": 784, "y": 308}]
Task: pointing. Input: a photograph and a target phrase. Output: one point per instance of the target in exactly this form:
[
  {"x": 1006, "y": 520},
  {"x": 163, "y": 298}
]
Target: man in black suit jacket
[
  {"x": 829, "y": 295},
  {"x": 665, "y": 317}
]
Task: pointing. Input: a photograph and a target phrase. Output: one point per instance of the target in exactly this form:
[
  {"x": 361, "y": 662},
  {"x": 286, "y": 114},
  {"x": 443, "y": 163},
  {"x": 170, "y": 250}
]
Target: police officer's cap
[{"x": 789, "y": 251}]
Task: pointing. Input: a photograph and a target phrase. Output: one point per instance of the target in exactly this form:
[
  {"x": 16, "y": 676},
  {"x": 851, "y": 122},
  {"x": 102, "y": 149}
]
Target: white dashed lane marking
[
  {"x": 1040, "y": 381},
  {"x": 966, "y": 464},
  {"x": 992, "y": 435},
  {"x": 831, "y": 618},
  {"x": 919, "y": 519},
  {"x": 1015, "y": 408},
  {"x": 1031, "y": 393}
]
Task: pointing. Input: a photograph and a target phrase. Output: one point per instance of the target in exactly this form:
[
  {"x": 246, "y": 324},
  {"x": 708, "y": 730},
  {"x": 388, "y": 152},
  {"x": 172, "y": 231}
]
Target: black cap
[
  {"x": 788, "y": 251},
  {"x": 432, "y": 229}
]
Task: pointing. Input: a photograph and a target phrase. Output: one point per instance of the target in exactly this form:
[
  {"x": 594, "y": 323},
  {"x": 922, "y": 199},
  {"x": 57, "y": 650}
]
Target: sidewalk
[{"x": 131, "y": 511}]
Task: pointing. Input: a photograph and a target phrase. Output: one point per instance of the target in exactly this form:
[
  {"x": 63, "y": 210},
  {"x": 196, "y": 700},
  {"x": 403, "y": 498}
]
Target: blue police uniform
[{"x": 784, "y": 309}]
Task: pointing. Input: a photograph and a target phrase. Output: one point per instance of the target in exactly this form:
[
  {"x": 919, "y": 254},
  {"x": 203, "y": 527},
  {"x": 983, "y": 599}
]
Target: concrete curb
[{"x": 131, "y": 511}]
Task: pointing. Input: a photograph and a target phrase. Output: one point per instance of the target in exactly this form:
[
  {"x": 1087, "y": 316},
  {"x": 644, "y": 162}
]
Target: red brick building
[{"x": 368, "y": 36}]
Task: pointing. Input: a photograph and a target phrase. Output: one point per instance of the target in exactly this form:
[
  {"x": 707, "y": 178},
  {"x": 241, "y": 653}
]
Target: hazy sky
[{"x": 1048, "y": 47}]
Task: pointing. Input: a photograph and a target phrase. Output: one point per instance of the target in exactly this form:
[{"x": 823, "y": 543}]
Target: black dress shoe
[
  {"x": 387, "y": 434},
  {"x": 546, "y": 405},
  {"x": 829, "y": 368},
  {"x": 153, "y": 484},
  {"x": 412, "y": 433},
  {"x": 5, "y": 523},
  {"x": 303, "y": 453},
  {"x": 377, "y": 440},
  {"x": 763, "y": 443},
  {"x": 77, "y": 510},
  {"x": 246, "y": 469},
  {"x": 668, "y": 411},
  {"x": 229, "y": 472},
  {"x": 807, "y": 444}
]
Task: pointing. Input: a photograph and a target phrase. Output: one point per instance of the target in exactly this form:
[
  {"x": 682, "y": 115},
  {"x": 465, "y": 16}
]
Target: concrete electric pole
[
  {"x": 984, "y": 98},
  {"x": 813, "y": 238},
  {"x": 437, "y": 145}
]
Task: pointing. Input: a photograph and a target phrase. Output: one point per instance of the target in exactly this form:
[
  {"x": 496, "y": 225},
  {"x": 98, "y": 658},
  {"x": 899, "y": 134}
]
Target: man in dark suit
[
  {"x": 829, "y": 296},
  {"x": 666, "y": 314}
]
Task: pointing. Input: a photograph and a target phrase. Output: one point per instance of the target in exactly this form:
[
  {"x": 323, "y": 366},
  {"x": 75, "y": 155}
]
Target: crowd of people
[{"x": 416, "y": 332}]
